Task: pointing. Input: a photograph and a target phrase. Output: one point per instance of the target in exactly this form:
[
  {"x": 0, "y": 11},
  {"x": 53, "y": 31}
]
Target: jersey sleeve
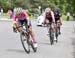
[
  {"x": 60, "y": 15},
  {"x": 27, "y": 17},
  {"x": 14, "y": 17},
  {"x": 53, "y": 16}
]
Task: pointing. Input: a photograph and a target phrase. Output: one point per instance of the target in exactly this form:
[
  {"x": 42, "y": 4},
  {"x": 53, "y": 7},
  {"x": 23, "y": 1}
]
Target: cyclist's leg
[
  {"x": 53, "y": 27},
  {"x": 59, "y": 29},
  {"x": 32, "y": 35},
  {"x": 47, "y": 25},
  {"x": 53, "y": 30},
  {"x": 59, "y": 26}
]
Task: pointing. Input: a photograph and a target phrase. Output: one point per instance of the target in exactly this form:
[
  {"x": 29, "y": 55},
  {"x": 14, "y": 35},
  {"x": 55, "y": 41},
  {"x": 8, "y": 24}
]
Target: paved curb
[{"x": 6, "y": 19}]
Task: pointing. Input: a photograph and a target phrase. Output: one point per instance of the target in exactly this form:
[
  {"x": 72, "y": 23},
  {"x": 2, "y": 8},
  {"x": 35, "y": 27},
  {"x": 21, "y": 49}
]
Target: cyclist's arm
[
  {"x": 53, "y": 17},
  {"x": 45, "y": 19},
  {"x": 60, "y": 19},
  {"x": 27, "y": 17},
  {"x": 14, "y": 18}
]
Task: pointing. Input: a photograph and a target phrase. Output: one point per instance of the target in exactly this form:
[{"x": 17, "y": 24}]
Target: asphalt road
[{"x": 11, "y": 47}]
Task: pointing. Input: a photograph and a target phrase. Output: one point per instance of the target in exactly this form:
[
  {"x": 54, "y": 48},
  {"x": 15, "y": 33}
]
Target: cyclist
[
  {"x": 58, "y": 17},
  {"x": 20, "y": 16},
  {"x": 49, "y": 17}
]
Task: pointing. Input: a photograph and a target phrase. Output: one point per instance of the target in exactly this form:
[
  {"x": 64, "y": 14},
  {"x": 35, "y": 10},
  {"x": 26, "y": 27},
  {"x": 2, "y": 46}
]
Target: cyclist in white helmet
[
  {"x": 49, "y": 17},
  {"x": 20, "y": 16}
]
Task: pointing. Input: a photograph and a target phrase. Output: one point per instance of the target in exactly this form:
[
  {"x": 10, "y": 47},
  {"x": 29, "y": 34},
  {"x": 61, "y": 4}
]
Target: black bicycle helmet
[{"x": 57, "y": 10}]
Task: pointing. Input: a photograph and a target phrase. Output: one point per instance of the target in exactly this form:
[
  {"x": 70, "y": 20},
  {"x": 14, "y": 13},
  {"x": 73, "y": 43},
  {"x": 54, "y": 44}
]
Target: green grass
[
  {"x": 5, "y": 14},
  {"x": 64, "y": 17},
  {"x": 31, "y": 17}
]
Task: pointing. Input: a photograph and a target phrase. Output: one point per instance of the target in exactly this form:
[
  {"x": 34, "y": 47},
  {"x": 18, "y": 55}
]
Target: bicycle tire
[
  {"x": 34, "y": 49},
  {"x": 51, "y": 37},
  {"x": 56, "y": 33},
  {"x": 26, "y": 45}
]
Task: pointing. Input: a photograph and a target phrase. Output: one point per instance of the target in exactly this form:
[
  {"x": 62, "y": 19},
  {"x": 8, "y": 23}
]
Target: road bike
[{"x": 26, "y": 39}]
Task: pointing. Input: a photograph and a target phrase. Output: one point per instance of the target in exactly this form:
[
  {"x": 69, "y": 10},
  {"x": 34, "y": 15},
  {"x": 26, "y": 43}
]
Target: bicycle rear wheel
[{"x": 25, "y": 42}]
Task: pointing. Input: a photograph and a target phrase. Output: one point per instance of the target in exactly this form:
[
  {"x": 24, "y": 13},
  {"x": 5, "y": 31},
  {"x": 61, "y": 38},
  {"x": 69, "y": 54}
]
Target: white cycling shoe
[
  {"x": 35, "y": 45},
  {"x": 55, "y": 39}
]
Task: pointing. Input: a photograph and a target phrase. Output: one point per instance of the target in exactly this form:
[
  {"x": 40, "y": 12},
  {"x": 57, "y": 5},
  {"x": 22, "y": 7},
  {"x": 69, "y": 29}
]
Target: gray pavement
[{"x": 10, "y": 44}]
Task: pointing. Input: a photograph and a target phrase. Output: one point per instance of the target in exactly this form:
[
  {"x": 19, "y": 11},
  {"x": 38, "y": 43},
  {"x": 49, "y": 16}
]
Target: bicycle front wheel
[
  {"x": 25, "y": 44},
  {"x": 51, "y": 35}
]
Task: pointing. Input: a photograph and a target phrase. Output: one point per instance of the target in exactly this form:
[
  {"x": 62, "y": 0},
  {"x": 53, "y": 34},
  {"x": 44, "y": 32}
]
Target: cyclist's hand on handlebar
[
  {"x": 28, "y": 25},
  {"x": 14, "y": 22},
  {"x": 60, "y": 23}
]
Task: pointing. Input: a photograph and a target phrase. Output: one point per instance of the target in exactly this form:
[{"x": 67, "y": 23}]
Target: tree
[{"x": 64, "y": 5}]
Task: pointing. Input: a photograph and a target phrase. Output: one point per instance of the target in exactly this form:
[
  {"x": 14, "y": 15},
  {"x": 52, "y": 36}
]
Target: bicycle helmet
[
  {"x": 47, "y": 10},
  {"x": 18, "y": 10},
  {"x": 57, "y": 10}
]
